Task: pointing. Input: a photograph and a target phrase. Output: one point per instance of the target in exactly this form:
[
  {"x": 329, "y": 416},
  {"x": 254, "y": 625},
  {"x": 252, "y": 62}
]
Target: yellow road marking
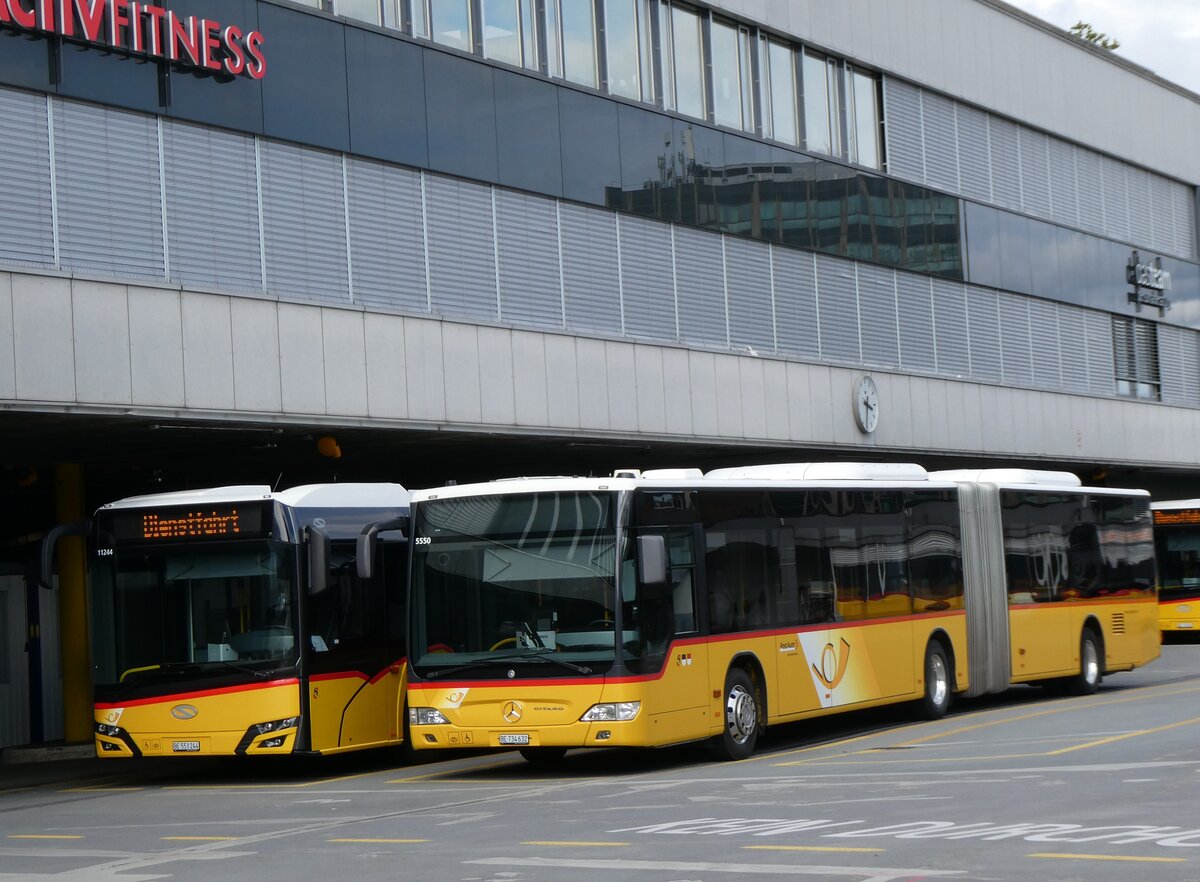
[
  {"x": 383, "y": 841},
  {"x": 1060, "y": 707},
  {"x": 197, "y": 838},
  {"x": 807, "y": 848},
  {"x": 1113, "y": 738},
  {"x": 572, "y": 844},
  {"x": 446, "y": 773},
  {"x": 40, "y": 836},
  {"x": 1108, "y": 857}
]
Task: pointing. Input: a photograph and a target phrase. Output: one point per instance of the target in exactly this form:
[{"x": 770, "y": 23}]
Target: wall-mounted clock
[{"x": 866, "y": 404}]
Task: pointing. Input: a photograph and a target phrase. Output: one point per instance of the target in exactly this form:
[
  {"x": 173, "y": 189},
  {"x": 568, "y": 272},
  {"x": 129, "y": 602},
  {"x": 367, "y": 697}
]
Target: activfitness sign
[{"x": 144, "y": 30}]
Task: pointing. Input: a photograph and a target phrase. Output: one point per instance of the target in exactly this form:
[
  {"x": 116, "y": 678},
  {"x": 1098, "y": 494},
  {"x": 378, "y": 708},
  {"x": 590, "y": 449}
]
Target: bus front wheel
[
  {"x": 741, "y": 716},
  {"x": 937, "y": 682}
]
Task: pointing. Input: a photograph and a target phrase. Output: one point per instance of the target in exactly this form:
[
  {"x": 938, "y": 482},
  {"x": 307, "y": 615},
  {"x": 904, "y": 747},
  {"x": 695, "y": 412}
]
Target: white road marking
[{"x": 871, "y": 874}]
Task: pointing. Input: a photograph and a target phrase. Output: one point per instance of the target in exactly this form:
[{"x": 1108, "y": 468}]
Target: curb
[{"x": 46, "y": 753}]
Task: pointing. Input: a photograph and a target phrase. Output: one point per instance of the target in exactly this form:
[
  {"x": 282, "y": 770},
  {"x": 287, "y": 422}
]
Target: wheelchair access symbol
[{"x": 834, "y": 663}]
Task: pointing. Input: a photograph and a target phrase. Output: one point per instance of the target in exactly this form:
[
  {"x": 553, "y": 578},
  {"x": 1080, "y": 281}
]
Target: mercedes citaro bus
[
  {"x": 232, "y": 621},
  {"x": 660, "y": 607}
]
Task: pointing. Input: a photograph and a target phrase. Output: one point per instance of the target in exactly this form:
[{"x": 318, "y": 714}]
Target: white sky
[{"x": 1162, "y": 35}]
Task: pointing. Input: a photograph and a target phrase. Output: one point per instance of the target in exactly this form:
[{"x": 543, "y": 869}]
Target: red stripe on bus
[
  {"x": 675, "y": 644},
  {"x": 205, "y": 693},
  {"x": 343, "y": 675}
]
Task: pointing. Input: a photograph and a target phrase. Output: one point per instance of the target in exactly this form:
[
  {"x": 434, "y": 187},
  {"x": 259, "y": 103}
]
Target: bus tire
[
  {"x": 1091, "y": 672},
  {"x": 938, "y": 689},
  {"x": 544, "y": 756},
  {"x": 741, "y": 716}
]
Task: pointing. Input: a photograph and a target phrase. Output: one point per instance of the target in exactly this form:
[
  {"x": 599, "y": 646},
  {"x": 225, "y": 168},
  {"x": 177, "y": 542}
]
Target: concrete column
[{"x": 74, "y": 638}]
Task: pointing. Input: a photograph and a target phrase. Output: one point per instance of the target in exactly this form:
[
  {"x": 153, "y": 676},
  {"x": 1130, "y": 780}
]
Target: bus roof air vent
[
  {"x": 1009, "y": 476},
  {"x": 824, "y": 471},
  {"x": 673, "y": 474}
]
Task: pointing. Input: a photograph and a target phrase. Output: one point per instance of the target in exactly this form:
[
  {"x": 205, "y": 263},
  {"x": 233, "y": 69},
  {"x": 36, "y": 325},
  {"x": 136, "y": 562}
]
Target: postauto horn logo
[
  {"x": 145, "y": 30},
  {"x": 181, "y": 711}
]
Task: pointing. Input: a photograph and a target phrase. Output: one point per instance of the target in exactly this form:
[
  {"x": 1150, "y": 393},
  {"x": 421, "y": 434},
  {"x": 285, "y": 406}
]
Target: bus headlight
[
  {"x": 275, "y": 725},
  {"x": 426, "y": 716},
  {"x": 617, "y": 711}
]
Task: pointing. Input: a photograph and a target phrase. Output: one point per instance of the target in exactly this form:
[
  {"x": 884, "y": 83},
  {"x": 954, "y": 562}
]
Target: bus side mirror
[
  {"x": 365, "y": 546},
  {"x": 318, "y": 559},
  {"x": 50, "y": 544},
  {"x": 652, "y": 560}
]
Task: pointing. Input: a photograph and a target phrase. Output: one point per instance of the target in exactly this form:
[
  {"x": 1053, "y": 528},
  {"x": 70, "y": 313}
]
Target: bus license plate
[
  {"x": 514, "y": 739},
  {"x": 185, "y": 746}
]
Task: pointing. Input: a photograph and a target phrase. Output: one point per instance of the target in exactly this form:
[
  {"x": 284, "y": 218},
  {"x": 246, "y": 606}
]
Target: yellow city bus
[
  {"x": 231, "y": 621},
  {"x": 1177, "y": 546},
  {"x": 669, "y": 606}
]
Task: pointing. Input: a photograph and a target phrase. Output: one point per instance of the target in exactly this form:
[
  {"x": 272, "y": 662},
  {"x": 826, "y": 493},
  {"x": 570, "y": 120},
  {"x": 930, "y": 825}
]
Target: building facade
[{"x": 673, "y": 228}]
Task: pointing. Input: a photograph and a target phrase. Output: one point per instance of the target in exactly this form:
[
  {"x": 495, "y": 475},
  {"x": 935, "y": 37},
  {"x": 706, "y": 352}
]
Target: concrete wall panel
[
  {"x": 344, "y": 345},
  {"x": 460, "y": 351},
  {"x": 562, "y": 382},
  {"x": 676, "y": 381},
  {"x": 530, "y": 378},
  {"x": 207, "y": 352},
  {"x": 156, "y": 347},
  {"x": 387, "y": 393},
  {"x": 101, "y": 312},
  {"x": 651, "y": 389},
  {"x": 424, "y": 372},
  {"x": 44, "y": 338},
  {"x": 301, "y": 359},
  {"x": 256, "y": 383},
  {"x": 499, "y": 402},
  {"x": 622, "y": 386},
  {"x": 775, "y": 400},
  {"x": 704, "y": 393},
  {"x": 8, "y": 363},
  {"x": 593, "y": 383}
]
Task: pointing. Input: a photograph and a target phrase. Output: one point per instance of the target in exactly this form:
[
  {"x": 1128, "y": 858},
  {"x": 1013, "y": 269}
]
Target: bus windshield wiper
[
  {"x": 547, "y": 655},
  {"x": 540, "y": 655},
  {"x": 262, "y": 675}
]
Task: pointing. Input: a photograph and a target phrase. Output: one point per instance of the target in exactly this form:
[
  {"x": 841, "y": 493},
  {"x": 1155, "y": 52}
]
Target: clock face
[{"x": 866, "y": 404}]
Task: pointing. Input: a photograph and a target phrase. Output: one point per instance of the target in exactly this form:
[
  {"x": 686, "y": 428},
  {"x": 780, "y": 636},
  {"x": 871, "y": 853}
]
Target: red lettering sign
[{"x": 144, "y": 29}]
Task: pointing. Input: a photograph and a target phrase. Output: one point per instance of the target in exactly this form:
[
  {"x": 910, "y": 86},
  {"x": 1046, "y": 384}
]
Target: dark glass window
[{"x": 1135, "y": 358}]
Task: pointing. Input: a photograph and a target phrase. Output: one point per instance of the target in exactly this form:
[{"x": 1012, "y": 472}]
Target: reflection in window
[
  {"x": 778, "y": 75},
  {"x": 687, "y": 62},
  {"x": 450, "y": 22},
  {"x": 621, "y": 43},
  {"x": 820, "y": 131},
  {"x": 502, "y": 30},
  {"x": 732, "y": 104},
  {"x": 578, "y": 41},
  {"x": 1135, "y": 357},
  {"x": 864, "y": 119},
  {"x": 420, "y": 17},
  {"x": 363, "y": 10}
]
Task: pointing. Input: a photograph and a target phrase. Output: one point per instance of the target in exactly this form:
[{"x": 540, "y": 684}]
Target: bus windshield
[
  {"x": 519, "y": 582},
  {"x": 193, "y": 610},
  {"x": 1178, "y": 562}
]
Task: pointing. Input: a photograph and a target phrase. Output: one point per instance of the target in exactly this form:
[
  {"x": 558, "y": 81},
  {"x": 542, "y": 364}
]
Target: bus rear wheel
[
  {"x": 938, "y": 691},
  {"x": 1087, "y": 681},
  {"x": 741, "y": 716}
]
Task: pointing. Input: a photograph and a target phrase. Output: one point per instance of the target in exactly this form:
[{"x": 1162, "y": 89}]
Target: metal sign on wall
[
  {"x": 1149, "y": 283},
  {"x": 144, "y": 30}
]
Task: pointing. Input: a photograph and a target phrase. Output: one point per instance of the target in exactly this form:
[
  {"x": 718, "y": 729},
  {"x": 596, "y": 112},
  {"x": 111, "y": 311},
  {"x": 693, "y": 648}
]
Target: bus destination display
[
  {"x": 1174, "y": 516},
  {"x": 236, "y": 521}
]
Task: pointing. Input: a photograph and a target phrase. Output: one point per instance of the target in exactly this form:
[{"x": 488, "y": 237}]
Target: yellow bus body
[
  {"x": 806, "y": 672},
  {"x": 214, "y": 722},
  {"x": 1045, "y": 637},
  {"x": 346, "y": 712},
  {"x": 1179, "y": 615}
]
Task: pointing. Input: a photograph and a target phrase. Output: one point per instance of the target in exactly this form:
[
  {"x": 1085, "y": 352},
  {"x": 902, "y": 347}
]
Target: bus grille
[{"x": 1118, "y": 623}]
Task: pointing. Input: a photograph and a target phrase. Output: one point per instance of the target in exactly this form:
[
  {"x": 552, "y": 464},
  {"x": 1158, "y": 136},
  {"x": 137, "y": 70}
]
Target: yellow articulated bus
[
  {"x": 1177, "y": 546},
  {"x": 669, "y": 606},
  {"x": 231, "y": 621}
]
